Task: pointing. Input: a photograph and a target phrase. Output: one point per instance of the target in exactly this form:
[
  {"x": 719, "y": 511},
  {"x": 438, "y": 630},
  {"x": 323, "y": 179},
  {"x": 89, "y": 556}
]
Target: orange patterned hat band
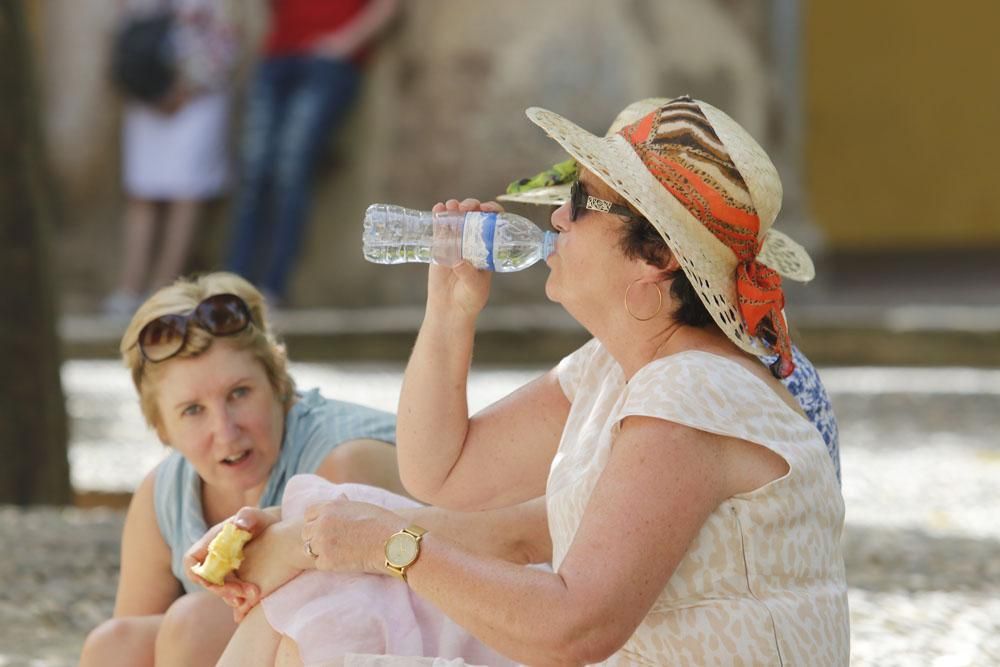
[{"x": 683, "y": 152}]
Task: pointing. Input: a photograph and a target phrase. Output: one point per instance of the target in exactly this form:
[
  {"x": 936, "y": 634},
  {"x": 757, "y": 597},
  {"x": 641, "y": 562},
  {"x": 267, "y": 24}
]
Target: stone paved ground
[
  {"x": 59, "y": 572},
  {"x": 921, "y": 465}
]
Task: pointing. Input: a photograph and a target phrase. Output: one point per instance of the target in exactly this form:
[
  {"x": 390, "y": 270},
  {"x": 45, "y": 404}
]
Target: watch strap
[{"x": 416, "y": 531}]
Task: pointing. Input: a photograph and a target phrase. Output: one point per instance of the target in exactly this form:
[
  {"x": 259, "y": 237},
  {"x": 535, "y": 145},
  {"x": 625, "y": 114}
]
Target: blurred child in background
[{"x": 172, "y": 60}]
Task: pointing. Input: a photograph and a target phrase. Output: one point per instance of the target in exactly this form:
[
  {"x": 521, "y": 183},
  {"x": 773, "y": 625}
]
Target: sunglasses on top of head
[
  {"x": 220, "y": 315},
  {"x": 579, "y": 200}
]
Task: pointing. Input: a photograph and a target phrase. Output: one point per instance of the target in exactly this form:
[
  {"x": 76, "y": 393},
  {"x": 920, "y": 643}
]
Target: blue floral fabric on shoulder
[{"x": 805, "y": 385}]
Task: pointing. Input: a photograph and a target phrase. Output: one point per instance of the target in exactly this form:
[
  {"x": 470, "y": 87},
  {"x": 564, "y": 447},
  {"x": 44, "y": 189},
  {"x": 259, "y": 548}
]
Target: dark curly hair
[{"x": 640, "y": 240}]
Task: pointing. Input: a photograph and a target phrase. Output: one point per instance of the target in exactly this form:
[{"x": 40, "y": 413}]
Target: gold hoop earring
[{"x": 659, "y": 304}]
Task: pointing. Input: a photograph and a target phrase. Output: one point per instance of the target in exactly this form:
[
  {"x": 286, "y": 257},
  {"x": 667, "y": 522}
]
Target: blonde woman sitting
[{"x": 213, "y": 383}]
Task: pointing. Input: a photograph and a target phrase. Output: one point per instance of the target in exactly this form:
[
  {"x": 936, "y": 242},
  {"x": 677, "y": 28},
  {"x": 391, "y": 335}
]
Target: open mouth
[{"x": 236, "y": 459}]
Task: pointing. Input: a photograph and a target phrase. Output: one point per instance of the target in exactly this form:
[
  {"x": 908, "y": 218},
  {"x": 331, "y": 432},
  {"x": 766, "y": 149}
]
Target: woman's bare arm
[
  {"x": 501, "y": 456},
  {"x": 517, "y": 534},
  {"x": 146, "y": 583}
]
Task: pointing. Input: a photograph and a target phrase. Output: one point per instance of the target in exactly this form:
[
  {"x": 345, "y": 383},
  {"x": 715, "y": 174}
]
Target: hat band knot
[{"x": 761, "y": 300}]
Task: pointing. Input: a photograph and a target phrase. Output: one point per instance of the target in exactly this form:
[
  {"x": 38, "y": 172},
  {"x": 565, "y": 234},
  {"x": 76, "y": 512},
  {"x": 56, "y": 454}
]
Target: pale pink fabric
[{"x": 332, "y": 615}]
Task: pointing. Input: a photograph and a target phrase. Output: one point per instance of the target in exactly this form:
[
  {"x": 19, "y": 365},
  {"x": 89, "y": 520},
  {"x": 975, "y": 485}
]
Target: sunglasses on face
[
  {"x": 220, "y": 315},
  {"x": 579, "y": 199}
]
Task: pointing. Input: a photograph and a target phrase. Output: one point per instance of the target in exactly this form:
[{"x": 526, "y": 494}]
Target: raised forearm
[{"x": 433, "y": 417}]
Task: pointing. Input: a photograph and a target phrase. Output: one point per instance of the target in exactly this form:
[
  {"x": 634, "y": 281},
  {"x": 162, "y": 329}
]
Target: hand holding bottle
[{"x": 462, "y": 286}]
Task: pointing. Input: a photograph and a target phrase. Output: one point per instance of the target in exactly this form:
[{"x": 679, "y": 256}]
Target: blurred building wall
[
  {"x": 903, "y": 99},
  {"x": 442, "y": 115}
]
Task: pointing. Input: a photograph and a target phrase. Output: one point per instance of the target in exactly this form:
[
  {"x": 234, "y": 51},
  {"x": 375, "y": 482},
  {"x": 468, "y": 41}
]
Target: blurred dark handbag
[{"x": 144, "y": 57}]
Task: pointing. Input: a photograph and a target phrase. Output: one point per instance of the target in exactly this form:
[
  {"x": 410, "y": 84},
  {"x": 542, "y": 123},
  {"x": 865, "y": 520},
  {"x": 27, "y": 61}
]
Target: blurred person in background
[
  {"x": 302, "y": 88},
  {"x": 213, "y": 383},
  {"x": 691, "y": 511},
  {"x": 172, "y": 60}
]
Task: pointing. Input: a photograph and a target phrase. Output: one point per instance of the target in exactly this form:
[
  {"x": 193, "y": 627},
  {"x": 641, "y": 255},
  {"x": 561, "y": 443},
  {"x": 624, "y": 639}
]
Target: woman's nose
[
  {"x": 560, "y": 218},
  {"x": 226, "y": 427}
]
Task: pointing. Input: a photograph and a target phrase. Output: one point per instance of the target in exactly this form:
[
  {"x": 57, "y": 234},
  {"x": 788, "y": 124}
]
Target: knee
[
  {"x": 189, "y": 613},
  {"x": 257, "y": 154},
  {"x": 299, "y": 147},
  {"x": 195, "y": 626},
  {"x": 292, "y": 168},
  {"x": 118, "y": 641},
  {"x": 255, "y": 169}
]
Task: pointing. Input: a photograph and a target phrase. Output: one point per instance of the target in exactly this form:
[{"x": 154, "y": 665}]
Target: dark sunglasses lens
[
  {"x": 575, "y": 196},
  {"x": 163, "y": 337},
  {"x": 223, "y": 314}
]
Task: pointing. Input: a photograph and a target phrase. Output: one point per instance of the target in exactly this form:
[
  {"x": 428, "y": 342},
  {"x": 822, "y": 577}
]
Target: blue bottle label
[
  {"x": 489, "y": 229},
  {"x": 477, "y": 239}
]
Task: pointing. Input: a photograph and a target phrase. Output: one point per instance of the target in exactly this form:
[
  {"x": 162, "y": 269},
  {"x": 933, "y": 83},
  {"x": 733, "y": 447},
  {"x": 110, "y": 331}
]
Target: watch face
[{"x": 401, "y": 549}]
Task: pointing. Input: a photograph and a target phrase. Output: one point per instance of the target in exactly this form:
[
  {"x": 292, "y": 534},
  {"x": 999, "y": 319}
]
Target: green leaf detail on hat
[{"x": 557, "y": 174}]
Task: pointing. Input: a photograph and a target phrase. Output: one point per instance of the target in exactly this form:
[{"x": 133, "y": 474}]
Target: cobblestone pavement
[{"x": 921, "y": 465}]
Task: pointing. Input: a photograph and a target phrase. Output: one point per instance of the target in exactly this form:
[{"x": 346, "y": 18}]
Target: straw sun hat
[{"x": 712, "y": 193}]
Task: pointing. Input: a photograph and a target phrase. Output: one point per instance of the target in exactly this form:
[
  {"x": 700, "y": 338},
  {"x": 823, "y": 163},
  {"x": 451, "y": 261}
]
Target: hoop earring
[{"x": 659, "y": 304}]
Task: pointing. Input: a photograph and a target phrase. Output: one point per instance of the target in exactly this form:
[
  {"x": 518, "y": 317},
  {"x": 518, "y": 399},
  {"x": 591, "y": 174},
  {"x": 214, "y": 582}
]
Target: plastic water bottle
[{"x": 500, "y": 242}]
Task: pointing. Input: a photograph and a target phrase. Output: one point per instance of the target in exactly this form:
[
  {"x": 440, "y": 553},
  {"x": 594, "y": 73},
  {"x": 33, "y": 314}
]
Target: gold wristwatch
[{"x": 402, "y": 550}]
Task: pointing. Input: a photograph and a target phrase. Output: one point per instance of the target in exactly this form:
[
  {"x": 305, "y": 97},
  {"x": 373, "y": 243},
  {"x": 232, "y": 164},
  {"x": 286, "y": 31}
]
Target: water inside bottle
[
  {"x": 394, "y": 235},
  {"x": 516, "y": 247}
]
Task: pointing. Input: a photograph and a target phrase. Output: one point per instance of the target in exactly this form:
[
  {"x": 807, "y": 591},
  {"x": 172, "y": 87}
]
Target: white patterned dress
[{"x": 763, "y": 582}]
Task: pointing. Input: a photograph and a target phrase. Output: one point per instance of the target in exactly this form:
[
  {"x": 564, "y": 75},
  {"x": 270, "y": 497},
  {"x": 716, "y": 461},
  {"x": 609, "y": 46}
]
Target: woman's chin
[{"x": 551, "y": 293}]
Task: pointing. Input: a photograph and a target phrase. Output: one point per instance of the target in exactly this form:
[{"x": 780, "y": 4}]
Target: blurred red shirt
[{"x": 297, "y": 24}]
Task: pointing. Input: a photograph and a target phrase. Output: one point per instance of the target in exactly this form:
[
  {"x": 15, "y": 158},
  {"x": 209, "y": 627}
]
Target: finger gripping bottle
[{"x": 501, "y": 242}]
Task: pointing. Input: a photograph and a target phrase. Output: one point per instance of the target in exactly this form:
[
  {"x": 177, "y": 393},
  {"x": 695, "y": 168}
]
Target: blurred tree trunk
[{"x": 33, "y": 433}]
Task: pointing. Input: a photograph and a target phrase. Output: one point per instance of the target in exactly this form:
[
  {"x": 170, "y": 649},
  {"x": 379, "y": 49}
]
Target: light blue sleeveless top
[{"x": 314, "y": 426}]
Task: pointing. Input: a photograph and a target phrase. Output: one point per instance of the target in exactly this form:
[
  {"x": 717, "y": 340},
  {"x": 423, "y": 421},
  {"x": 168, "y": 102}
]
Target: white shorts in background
[{"x": 180, "y": 156}]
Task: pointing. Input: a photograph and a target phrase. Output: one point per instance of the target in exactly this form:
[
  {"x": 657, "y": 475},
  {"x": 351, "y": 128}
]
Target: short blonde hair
[{"x": 182, "y": 297}]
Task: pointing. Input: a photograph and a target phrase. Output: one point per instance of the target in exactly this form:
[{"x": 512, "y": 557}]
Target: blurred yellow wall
[{"x": 902, "y": 122}]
